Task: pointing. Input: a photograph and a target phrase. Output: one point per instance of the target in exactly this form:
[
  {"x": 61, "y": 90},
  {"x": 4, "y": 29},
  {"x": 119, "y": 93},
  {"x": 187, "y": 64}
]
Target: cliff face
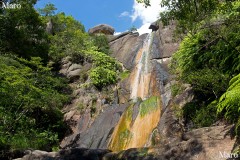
[{"x": 137, "y": 112}]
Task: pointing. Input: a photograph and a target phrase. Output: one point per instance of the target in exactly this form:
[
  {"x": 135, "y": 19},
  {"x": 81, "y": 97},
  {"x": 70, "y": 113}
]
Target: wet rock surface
[
  {"x": 97, "y": 134},
  {"x": 199, "y": 144},
  {"x": 94, "y": 115}
]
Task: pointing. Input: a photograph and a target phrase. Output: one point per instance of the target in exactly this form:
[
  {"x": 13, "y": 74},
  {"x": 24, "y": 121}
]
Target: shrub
[
  {"x": 30, "y": 101},
  {"x": 229, "y": 102},
  {"x": 101, "y": 76},
  {"x": 101, "y": 42}
]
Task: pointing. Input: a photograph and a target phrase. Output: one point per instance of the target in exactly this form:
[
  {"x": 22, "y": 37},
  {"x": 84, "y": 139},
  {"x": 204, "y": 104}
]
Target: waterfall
[
  {"x": 139, "y": 120},
  {"x": 141, "y": 77}
]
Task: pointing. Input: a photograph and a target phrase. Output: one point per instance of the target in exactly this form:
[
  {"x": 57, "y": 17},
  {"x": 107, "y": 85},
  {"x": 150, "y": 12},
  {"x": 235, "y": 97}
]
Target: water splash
[{"x": 141, "y": 73}]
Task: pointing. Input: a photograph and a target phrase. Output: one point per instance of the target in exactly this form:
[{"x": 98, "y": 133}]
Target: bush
[
  {"x": 176, "y": 89},
  {"x": 101, "y": 76},
  {"x": 30, "y": 101},
  {"x": 229, "y": 105},
  {"x": 200, "y": 114},
  {"x": 101, "y": 42},
  {"x": 71, "y": 40}
]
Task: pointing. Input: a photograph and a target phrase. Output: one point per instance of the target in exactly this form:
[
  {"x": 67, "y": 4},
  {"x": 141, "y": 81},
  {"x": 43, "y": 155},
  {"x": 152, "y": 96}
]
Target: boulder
[
  {"x": 74, "y": 75},
  {"x": 102, "y": 28},
  {"x": 213, "y": 143},
  {"x": 74, "y": 67},
  {"x": 154, "y": 26},
  {"x": 68, "y": 154}
]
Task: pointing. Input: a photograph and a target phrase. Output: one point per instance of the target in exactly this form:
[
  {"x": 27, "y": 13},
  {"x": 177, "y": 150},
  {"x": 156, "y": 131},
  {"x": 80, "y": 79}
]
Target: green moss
[
  {"x": 143, "y": 152},
  {"x": 176, "y": 89},
  {"x": 177, "y": 111},
  {"x": 123, "y": 75},
  {"x": 129, "y": 112},
  {"x": 124, "y": 135},
  {"x": 155, "y": 136},
  {"x": 149, "y": 105},
  {"x": 80, "y": 106}
]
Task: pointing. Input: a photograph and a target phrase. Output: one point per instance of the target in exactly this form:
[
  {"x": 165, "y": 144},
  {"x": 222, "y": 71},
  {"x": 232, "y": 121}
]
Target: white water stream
[{"x": 140, "y": 84}]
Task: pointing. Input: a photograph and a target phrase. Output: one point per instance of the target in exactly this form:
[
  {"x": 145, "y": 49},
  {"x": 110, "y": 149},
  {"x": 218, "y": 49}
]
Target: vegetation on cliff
[
  {"x": 32, "y": 92},
  {"x": 70, "y": 39},
  {"x": 208, "y": 58}
]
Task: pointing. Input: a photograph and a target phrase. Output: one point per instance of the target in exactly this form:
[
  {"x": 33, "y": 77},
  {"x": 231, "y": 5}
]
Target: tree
[
  {"x": 48, "y": 10},
  {"x": 188, "y": 13},
  {"x": 30, "y": 102},
  {"x": 146, "y": 2},
  {"x": 70, "y": 39},
  {"x": 133, "y": 29},
  {"x": 23, "y": 32},
  {"x": 209, "y": 57}
]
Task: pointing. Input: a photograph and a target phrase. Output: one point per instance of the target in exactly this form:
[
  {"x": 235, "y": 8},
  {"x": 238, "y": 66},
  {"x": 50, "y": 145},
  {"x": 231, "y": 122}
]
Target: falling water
[
  {"x": 141, "y": 78},
  {"x": 139, "y": 120}
]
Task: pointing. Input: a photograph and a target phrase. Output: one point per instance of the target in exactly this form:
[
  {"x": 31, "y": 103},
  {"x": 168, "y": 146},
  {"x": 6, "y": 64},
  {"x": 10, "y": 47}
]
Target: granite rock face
[
  {"x": 167, "y": 43},
  {"x": 125, "y": 48},
  {"x": 213, "y": 143},
  {"x": 97, "y": 134},
  {"x": 94, "y": 115}
]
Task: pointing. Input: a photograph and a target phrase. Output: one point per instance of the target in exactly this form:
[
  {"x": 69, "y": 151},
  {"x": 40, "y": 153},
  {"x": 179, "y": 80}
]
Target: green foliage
[
  {"x": 63, "y": 23},
  {"x": 208, "y": 57},
  {"x": 208, "y": 84},
  {"x": 68, "y": 39},
  {"x": 30, "y": 102},
  {"x": 101, "y": 76},
  {"x": 146, "y": 2},
  {"x": 23, "y": 32},
  {"x": 200, "y": 114},
  {"x": 123, "y": 75},
  {"x": 71, "y": 40},
  {"x": 48, "y": 10},
  {"x": 133, "y": 29},
  {"x": 229, "y": 102},
  {"x": 176, "y": 89},
  {"x": 149, "y": 105},
  {"x": 101, "y": 42},
  {"x": 188, "y": 13}
]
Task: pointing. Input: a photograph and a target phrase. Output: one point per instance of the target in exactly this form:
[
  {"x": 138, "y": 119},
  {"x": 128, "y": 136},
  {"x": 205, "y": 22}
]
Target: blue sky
[{"x": 121, "y": 14}]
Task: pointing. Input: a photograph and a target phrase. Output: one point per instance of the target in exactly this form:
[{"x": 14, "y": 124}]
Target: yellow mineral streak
[
  {"x": 142, "y": 128},
  {"x": 134, "y": 134}
]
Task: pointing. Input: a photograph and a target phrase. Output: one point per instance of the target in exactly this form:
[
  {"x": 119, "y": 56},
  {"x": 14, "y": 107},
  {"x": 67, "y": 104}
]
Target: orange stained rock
[{"x": 134, "y": 134}]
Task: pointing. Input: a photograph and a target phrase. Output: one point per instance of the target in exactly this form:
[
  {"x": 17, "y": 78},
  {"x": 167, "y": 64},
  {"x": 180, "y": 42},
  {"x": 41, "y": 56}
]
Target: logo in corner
[{"x": 9, "y": 4}]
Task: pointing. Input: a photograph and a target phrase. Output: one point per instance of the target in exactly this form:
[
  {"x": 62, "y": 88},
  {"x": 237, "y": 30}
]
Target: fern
[{"x": 229, "y": 102}]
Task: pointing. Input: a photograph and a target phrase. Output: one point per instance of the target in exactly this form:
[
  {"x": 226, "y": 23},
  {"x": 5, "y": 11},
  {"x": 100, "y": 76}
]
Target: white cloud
[
  {"x": 146, "y": 15},
  {"x": 117, "y": 33},
  {"x": 124, "y": 14},
  {"x": 144, "y": 29}
]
